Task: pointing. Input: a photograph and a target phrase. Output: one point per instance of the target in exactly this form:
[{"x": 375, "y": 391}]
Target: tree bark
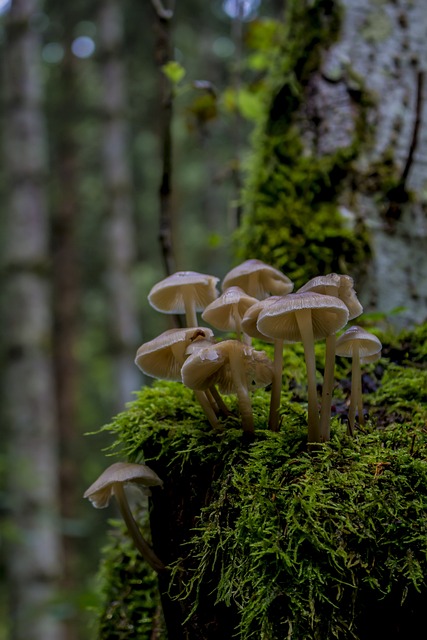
[
  {"x": 163, "y": 54},
  {"x": 120, "y": 229},
  {"x": 376, "y": 70},
  {"x": 33, "y": 555},
  {"x": 66, "y": 285}
]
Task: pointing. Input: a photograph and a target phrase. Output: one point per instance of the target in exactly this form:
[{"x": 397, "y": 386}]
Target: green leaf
[{"x": 174, "y": 71}]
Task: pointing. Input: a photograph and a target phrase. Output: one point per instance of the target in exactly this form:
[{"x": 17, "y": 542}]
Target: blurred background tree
[
  {"x": 82, "y": 106},
  {"x": 85, "y": 111}
]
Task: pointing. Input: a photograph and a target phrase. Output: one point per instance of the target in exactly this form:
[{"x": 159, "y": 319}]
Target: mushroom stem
[
  {"x": 243, "y": 397},
  {"x": 140, "y": 543},
  {"x": 222, "y": 407},
  {"x": 355, "y": 400},
  {"x": 303, "y": 317},
  {"x": 207, "y": 408},
  {"x": 276, "y": 387},
  {"x": 328, "y": 384},
  {"x": 190, "y": 309},
  {"x": 238, "y": 323}
]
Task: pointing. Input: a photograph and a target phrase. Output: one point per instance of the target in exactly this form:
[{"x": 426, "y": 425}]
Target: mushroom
[
  {"x": 249, "y": 326},
  {"x": 258, "y": 279},
  {"x": 164, "y": 356},
  {"x": 226, "y": 312},
  {"x": 340, "y": 286},
  {"x": 184, "y": 292},
  {"x": 111, "y": 482},
  {"x": 235, "y": 368},
  {"x": 212, "y": 393},
  {"x": 360, "y": 345},
  {"x": 305, "y": 317}
]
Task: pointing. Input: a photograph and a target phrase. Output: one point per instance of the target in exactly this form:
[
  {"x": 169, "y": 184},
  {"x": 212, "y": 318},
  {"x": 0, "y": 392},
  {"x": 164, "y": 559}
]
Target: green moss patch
[{"x": 266, "y": 540}]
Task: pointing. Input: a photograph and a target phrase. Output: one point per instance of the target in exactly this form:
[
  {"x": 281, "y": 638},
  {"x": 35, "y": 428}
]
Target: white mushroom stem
[
  {"x": 304, "y": 320},
  {"x": 141, "y": 544},
  {"x": 356, "y": 390},
  {"x": 190, "y": 307},
  {"x": 276, "y": 387},
  {"x": 242, "y": 392},
  {"x": 327, "y": 391}
]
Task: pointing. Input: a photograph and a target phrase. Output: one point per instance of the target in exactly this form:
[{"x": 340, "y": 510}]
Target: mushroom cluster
[{"x": 256, "y": 302}]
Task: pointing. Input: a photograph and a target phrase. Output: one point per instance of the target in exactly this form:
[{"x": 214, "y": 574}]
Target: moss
[
  {"x": 267, "y": 541},
  {"x": 291, "y": 218},
  {"x": 129, "y": 592}
]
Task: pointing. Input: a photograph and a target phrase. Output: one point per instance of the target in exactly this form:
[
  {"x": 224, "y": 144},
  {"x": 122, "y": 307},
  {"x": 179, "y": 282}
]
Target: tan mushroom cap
[
  {"x": 211, "y": 366},
  {"x": 100, "y": 492},
  {"x": 169, "y": 295},
  {"x": 354, "y": 338},
  {"x": 224, "y": 312},
  {"x": 249, "y": 321},
  {"x": 278, "y": 320},
  {"x": 163, "y": 356},
  {"x": 258, "y": 279},
  {"x": 335, "y": 284}
]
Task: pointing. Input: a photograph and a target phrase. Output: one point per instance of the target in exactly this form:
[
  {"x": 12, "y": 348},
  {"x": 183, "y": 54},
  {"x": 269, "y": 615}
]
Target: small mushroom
[
  {"x": 226, "y": 312},
  {"x": 341, "y": 286},
  {"x": 258, "y": 279},
  {"x": 235, "y": 368},
  {"x": 164, "y": 356},
  {"x": 212, "y": 393},
  {"x": 305, "y": 317},
  {"x": 249, "y": 326},
  {"x": 111, "y": 482},
  {"x": 184, "y": 292},
  {"x": 358, "y": 344}
]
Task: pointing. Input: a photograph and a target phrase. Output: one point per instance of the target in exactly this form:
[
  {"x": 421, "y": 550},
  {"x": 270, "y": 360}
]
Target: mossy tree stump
[{"x": 265, "y": 540}]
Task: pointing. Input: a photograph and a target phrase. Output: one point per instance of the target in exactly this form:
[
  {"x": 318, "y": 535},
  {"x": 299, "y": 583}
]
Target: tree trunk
[
  {"x": 66, "y": 307},
  {"x": 341, "y": 152},
  {"x": 120, "y": 229},
  {"x": 375, "y": 71},
  {"x": 33, "y": 556}
]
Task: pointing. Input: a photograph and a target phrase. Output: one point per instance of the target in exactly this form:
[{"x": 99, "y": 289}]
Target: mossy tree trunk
[{"x": 347, "y": 100}]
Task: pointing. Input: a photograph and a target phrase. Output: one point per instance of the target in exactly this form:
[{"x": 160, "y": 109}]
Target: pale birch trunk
[
  {"x": 380, "y": 56},
  {"x": 33, "y": 554},
  {"x": 120, "y": 248}
]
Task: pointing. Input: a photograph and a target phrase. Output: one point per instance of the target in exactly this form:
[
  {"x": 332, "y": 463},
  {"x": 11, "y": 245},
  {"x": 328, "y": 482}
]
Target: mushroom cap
[
  {"x": 372, "y": 358},
  {"x": 343, "y": 289},
  {"x": 100, "y": 492},
  {"x": 163, "y": 356},
  {"x": 221, "y": 312},
  {"x": 249, "y": 320},
  {"x": 278, "y": 319},
  {"x": 357, "y": 338},
  {"x": 211, "y": 365},
  {"x": 258, "y": 279},
  {"x": 169, "y": 294}
]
